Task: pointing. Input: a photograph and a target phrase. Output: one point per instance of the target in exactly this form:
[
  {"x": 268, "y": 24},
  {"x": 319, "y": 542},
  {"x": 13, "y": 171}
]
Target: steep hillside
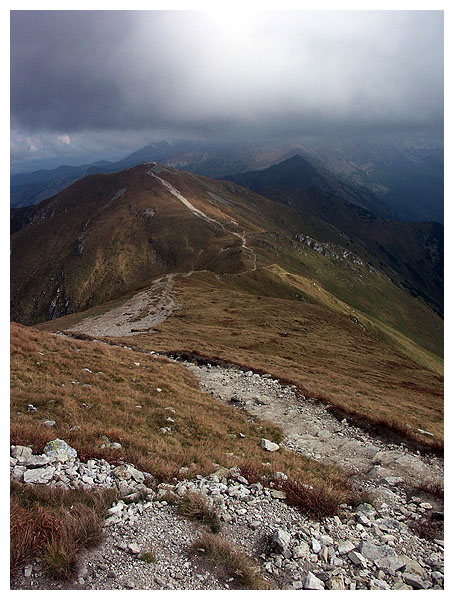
[
  {"x": 405, "y": 172},
  {"x": 410, "y": 253},
  {"x": 393, "y": 178},
  {"x": 109, "y": 234},
  {"x": 106, "y": 234}
]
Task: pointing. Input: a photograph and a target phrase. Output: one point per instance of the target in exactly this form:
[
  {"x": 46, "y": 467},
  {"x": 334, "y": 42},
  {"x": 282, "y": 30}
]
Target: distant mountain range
[
  {"x": 412, "y": 251},
  {"x": 397, "y": 182}
]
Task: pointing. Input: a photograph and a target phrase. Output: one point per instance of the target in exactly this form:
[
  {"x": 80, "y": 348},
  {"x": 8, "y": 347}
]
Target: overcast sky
[{"x": 96, "y": 83}]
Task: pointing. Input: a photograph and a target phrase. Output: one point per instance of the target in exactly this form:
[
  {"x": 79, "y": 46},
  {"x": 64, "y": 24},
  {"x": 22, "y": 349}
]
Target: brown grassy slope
[
  {"x": 87, "y": 247},
  {"x": 104, "y": 402},
  {"x": 326, "y": 353},
  {"x": 83, "y": 249}
]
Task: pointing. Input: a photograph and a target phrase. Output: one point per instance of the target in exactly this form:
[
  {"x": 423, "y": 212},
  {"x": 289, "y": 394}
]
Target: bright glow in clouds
[{"x": 79, "y": 75}]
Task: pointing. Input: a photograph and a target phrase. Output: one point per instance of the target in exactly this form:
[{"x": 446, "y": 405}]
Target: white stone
[
  {"x": 313, "y": 583},
  {"x": 39, "y": 475},
  {"x": 269, "y": 446}
]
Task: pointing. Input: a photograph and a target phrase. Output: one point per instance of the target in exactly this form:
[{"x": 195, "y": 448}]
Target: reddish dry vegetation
[
  {"x": 55, "y": 523},
  {"x": 229, "y": 562},
  {"x": 310, "y": 499},
  {"x": 196, "y": 507}
]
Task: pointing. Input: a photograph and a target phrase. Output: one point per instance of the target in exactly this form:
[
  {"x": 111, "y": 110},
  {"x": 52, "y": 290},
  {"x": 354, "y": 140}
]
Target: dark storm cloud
[{"x": 101, "y": 75}]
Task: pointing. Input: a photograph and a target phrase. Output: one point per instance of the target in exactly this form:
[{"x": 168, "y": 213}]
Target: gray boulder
[
  {"x": 43, "y": 475},
  {"x": 374, "y": 552},
  {"x": 313, "y": 583},
  {"x": 36, "y": 461},
  {"x": 59, "y": 451},
  {"x": 22, "y": 453},
  {"x": 280, "y": 540}
]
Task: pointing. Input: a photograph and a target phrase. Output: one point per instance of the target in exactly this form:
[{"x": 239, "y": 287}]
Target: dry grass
[
  {"x": 205, "y": 433},
  {"x": 432, "y": 488},
  {"x": 196, "y": 507},
  {"x": 56, "y": 523},
  {"x": 229, "y": 562},
  {"x": 427, "y": 529},
  {"x": 314, "y": 500},
  {"x": 326, "y": 354}
]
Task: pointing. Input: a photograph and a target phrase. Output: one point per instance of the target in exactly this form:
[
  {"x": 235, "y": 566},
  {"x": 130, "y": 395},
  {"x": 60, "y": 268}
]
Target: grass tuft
[
  {"x": 60, "y": 558},
  {"x": 56, "y": 522},
  {"x": 229, "y": 562},
  {"x": 148, "y": 556},
  {"x": 196, "y": 507}
]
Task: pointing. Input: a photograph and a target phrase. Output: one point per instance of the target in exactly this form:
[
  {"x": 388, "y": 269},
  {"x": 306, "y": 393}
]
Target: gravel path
[{"x": 310, "y": 429}]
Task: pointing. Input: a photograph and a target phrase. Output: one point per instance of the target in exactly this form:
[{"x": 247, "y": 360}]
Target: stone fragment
[
  {"x": 28, "y": 571},
  {"x": 59, "y": 450},
  {"x": 36, "y": 461},
  {"x": 345, "y": 547},
  {"x": 412, "y": 566},
  {"x": 137, "y": 475},
  {"x": 400, "y": 585},
  {"x": 269, "y": 446},
  {"x": 357, "y": 558},
  {"x": 43, "y": 475},
  {"x": 280, "y": 540},
  {"x": 134, "y": 548},
  {"x": 367, "y": 509},
  {"x": 313, "y": 583},
  {"x": 414, "y": 580},
  {"x": 374, "y": 552},
  {"x": 390, "y": 564},
  {"x": 378, "y": 584},
  {"x": 122, "y": 472},
  {"x": 278, "y": 494},
  {"x": 116, "y": 509},
  {"x": 22, "y": 453},
  {"x": 301, "y": 551}
]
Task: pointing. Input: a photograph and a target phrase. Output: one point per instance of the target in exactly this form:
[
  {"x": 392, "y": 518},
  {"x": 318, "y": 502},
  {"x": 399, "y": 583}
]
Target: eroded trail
[
  {"x": 139, "y": 314},
  {"x": 205, "y": 217},
  {"x": 367, "y": 547}
]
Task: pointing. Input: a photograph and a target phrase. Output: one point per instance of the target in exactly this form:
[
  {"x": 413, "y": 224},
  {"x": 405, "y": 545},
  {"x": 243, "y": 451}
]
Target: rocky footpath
[
  {"x": 310, "y": 429},
  {"x": 376, "y": 546},
  {"x": 146, "y": 541}
]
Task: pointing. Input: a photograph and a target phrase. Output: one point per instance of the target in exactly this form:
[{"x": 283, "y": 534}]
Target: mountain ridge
[
  {"x": 398, "y": 245},
  {"x": 347, "y": 167}
]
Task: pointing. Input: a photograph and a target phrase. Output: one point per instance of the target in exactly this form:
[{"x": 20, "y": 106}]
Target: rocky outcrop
[{"x": 59, "y": 466}]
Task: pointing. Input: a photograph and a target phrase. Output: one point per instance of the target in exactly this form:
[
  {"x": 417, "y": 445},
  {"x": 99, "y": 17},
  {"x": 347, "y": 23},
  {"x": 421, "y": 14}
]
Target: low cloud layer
[{"x": 82, "y": 80}]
